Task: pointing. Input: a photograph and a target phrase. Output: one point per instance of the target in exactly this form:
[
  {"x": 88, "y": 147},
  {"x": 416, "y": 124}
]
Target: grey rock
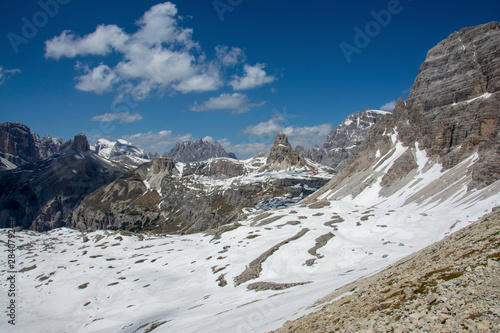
[
  {"x": 42, "y": 195},
  {"x": 198, "y": 150},
  {"x": 48, "y": 145},
  {"x": 345, "y": 140},
  {"x": 17, "y": 144}
]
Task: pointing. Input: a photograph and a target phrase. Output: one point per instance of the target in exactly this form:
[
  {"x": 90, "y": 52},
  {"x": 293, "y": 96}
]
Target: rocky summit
[
  {"x": 198, "y": 150},
  {"x": 123, "y": 152},
  {"x": 345, "y": 140},
  {"x": 19, "y": 146}
]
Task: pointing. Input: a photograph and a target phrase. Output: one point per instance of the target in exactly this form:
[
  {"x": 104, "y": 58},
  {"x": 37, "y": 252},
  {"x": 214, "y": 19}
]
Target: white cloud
[
  {"x": 101, "y": 42},
  {"x": 265, "y": 129},
  {"x": 159, "y": 56},
  {"x": 123, "y": 117},
  {"x": 389, "y": 106},
  {"x": 306, "y": 136},
  {"x": 254, "y": 77},
  {"x": 99, "y": 79},
  {"x": 6, "y": 73},
  {"x": 245, "y": 150},
  {"x": 207, "y": 81},
  {"x": 159, "y": 142},
  {"x": 229, "y": 57},
  {"x": 236, "y": 102}
]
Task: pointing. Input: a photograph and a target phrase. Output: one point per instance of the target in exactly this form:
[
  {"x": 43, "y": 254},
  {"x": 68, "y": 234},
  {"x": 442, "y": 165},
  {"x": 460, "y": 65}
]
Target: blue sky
[{"x": 236, "y": 71}]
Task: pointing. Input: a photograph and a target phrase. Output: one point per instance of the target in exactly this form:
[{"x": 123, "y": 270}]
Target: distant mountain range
[{"x": 198, "y": 150}]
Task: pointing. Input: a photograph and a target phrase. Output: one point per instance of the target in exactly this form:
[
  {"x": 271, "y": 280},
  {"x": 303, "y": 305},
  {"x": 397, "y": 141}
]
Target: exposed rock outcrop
[
  {"x": 283, "y": 157},
  {"x": 17, "y": 144},
  {"x": 198, "y": 150},
  {"x": 48, "y": 145},
  {"x": 345, "y": 140},
  {"x": 451, "y": 114},
  {"x": 42, "y": 195}
]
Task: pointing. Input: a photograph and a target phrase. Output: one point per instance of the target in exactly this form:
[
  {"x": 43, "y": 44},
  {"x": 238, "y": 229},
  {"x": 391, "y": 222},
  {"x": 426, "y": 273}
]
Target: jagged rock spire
[{"x": 281, "y": 139}]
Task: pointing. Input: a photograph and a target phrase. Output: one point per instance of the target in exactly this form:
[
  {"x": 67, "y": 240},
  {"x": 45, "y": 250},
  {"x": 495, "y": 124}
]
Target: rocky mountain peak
[
  {"x": 345, "y": 140},
  {"x": 81, "y": 143},
  {"x": 48, "y": 145},
  {"x": 198, "y": 150},
  {"x": 17, "y": 144},
  {"x": 452, "y": 110},
  {"x": 283, "y": 157},
  {"x": 281, "y": 139},
  {"x": 451, "y": 119}
]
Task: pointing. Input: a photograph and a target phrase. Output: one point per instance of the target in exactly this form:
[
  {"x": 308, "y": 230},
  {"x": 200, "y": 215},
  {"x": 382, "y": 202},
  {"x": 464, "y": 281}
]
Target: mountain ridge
[
  {"x": 344, "y": 141},
  {"x": 197, "y": 151}
]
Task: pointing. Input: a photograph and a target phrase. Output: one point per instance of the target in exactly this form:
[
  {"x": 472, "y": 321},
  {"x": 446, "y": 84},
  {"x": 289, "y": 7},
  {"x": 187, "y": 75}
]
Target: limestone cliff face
[
  {"x": 17, "y": 144},
  {"x": 452, "y": 112}
]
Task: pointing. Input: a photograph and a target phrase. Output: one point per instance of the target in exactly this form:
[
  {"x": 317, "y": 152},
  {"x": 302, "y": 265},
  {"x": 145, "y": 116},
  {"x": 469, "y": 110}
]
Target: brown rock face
[
  {"x": 81, "y": 143},
  {"x": 17, "y": 144},
  {"x": 281, "y": 139},
  {"x": 452, "y": 112},
  {"x": 282, "y": 156},
  {"x": 454, "y": 107}
]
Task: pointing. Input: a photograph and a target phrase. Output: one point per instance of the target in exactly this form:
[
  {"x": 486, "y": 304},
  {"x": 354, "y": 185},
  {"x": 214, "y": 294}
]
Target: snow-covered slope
[
  {"x": 121, "y": 151},
  {"x": 120, "y": 283}
]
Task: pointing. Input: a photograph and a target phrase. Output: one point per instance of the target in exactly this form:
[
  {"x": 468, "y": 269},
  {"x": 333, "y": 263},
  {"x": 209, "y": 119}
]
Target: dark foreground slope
[{"x": 450, "y": 286}]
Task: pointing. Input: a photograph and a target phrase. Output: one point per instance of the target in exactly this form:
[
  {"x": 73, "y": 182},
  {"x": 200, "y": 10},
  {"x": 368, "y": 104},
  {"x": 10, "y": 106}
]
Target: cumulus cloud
[
  {"x": 160, "y": 56},
  {"x": 389, "y": 106},
  {"x": 123, "y": 117},
  {"x": 159, "y": 142},
  {"x": 238, "y": 103},
  {"x": 254, "y": 77},
  {"x": 99, "y": 79},
  {"x": 102, "y": 41},
  {"x": 6, "y": 73},
  {"x": 208, "y": 81}
]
